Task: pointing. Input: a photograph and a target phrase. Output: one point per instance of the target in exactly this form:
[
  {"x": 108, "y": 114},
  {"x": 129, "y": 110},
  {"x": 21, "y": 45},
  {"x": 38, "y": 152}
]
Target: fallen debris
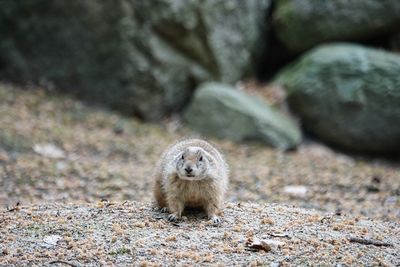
[
  {"x": 274, "y": 244},
  {"x": 64, "y": 262},
  {"x": 296, "y": 190},
  {"x": 51, "y": 240},
  {"x": 49, "y": 151},
  {"x": 368, "y": 241},
  {"x": 256, "y": 244},
  {"x": 14, "y": 208}
]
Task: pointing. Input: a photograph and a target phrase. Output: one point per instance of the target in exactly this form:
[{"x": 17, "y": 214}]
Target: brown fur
[{"x": 206, "y": 190}]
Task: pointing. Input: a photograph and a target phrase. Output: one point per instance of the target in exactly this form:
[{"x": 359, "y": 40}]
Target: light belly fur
[{"x": 195, "y": 193}]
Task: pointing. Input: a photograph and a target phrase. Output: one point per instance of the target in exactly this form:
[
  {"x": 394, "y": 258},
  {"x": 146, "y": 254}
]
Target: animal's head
[{"x": 192, "y": 164}]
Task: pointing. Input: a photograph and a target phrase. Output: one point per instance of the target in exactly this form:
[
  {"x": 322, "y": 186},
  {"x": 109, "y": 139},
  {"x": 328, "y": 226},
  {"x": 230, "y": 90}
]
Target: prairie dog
[{"x": 191, "y": 173}]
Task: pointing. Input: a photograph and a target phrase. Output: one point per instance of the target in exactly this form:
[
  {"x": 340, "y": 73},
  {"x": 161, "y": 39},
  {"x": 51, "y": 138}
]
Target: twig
[
  {"x": 367, "y": 241},
  {"x": 175, "y": 224},
  {"x": 15, "y": 208},
  {"x": 280, "y": 235},
  {"x": 64, "y": 262},
  {"x": 328, "y": 218}
]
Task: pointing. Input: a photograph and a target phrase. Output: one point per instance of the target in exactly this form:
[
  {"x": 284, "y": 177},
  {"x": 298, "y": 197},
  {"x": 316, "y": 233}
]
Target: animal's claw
[
  {"x": 172, "y": 218},
  {"x": 215, "y": 219},
  {"x": 164, "y": 210}
]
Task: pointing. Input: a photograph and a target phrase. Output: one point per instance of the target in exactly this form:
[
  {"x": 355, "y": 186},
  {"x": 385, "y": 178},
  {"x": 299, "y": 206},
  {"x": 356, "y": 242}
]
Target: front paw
[
  {"x": 215, "y": 219},
  {"x": 164, "y": 210},
  {"x": 173, "y": 218}
]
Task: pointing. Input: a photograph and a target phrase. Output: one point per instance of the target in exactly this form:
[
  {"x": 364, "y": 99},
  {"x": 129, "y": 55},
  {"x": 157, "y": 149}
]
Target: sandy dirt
[{"x": 132, "y": 233}]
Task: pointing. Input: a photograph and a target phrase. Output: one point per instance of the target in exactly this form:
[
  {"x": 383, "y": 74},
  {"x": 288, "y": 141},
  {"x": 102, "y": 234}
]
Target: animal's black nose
[{"x": 188, "y": 169}]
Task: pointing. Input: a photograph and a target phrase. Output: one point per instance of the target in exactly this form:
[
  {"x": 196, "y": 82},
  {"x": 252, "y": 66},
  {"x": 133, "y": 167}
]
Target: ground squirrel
[{"x": 191, "y": 173}]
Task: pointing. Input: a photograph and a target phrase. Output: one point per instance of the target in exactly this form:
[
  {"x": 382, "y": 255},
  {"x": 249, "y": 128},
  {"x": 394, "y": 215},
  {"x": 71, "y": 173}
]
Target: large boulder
[
  {"x": 301, "y": 24},
  {"x": 142, "y": 57},
  {"x": 348, "y": 95},
  {"x": 394, "y": 42},
  {"x": 225, "y": 112}
]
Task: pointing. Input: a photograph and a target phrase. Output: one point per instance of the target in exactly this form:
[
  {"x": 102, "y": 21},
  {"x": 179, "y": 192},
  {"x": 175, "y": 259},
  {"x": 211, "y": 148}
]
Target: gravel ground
[
  {"x": 126, "y": 233},
  {"x": 129, "y": 232}
]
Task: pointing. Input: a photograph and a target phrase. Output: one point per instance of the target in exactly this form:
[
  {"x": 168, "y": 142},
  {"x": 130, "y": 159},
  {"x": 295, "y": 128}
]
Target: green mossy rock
[
  {"x": 394, "y": 42},
  {"x": 141, "y": 57},
  {"x": 222, "y": 111},
  {"x": 301, "y": 24},
  {"x": 348, "y": 95}
]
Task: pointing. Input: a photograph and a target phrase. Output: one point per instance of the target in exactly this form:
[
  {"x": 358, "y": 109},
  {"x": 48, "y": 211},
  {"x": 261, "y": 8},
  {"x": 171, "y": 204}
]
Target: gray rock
[
  {"x": 348, "y": 95},
  {"x": 301, "y": 24},
  {"x": 225, "y": 112},
  {"x": 142, "y": 57},
  {"x": 394, "y": 42}
]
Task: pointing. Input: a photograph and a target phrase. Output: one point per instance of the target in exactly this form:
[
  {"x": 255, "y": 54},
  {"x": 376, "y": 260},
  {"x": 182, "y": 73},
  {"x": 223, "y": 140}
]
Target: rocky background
[
  {"x": 150, "y": 59},
  {"x": 303, "y": 97}
]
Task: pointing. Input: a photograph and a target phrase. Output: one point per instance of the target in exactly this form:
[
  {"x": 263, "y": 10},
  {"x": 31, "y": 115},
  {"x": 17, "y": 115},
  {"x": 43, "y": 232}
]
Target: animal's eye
[{"x": 201, "y": 158}]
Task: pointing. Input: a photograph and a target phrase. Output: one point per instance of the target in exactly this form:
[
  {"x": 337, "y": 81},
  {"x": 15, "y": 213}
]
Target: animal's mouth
[{"x": 189, "y": 177}]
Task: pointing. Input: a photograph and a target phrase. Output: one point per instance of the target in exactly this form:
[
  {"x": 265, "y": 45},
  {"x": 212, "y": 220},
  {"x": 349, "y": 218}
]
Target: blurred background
[{"x": 302, "y": 96}]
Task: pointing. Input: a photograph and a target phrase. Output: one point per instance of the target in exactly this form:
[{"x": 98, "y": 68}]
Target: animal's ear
[{"x": 199, "y": 154}]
